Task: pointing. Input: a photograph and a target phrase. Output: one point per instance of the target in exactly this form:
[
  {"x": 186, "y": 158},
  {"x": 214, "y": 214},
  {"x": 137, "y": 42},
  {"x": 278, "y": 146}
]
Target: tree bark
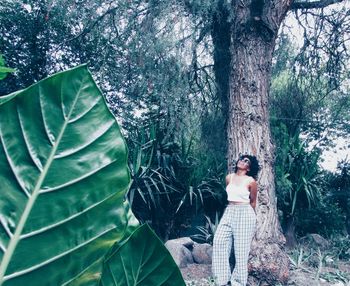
[{"x": 254, "y": 30}]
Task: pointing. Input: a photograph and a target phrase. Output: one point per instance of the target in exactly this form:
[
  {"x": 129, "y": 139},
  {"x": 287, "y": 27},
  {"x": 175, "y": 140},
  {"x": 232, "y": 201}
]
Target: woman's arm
[
  {"x": 253, "y": 193},
  {"x": 227, "y": 179}
]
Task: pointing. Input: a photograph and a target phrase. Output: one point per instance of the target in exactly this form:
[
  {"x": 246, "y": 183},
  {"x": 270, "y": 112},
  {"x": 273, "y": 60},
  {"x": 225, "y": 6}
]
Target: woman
[{"x": 237, "y": 224}]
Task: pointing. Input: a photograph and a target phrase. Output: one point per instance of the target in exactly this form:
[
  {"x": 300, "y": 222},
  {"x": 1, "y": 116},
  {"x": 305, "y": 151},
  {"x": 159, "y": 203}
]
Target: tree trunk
[
  {"x": 290, "y": 232},
  {"x": 220, "y": 34},
  {"x": 254, "y": 30}
]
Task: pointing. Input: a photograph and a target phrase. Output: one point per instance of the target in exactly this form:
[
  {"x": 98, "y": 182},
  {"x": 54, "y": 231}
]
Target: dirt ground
[{"x": 336, "y": 275}]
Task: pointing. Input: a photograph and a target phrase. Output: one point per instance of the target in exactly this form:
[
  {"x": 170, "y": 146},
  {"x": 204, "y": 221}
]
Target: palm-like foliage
[
  {"x": 298, "y": 173},
  {"x": 165, "y": 189}
]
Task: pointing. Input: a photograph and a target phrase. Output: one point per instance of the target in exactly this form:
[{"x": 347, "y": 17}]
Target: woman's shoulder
[
  {"x": 250, "y": 179},
  {"x": 230, "y": 176}
]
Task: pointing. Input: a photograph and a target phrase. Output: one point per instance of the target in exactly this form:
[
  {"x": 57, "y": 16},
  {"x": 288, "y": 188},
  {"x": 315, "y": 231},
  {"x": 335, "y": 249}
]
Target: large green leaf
[
  {"x": 141, "y": 260},
  {"x": 92, "y": 275},
  {"x": 63, "y": 175}
]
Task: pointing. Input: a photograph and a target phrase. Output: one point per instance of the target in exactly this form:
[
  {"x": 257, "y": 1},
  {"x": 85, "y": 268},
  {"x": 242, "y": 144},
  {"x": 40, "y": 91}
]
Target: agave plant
[
  {"x": 207, "y": 232},
  {"x": 64, "y": 175}
]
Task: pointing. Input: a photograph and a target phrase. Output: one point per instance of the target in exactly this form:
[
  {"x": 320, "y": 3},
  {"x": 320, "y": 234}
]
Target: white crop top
[{"x": 238, "y": 192}]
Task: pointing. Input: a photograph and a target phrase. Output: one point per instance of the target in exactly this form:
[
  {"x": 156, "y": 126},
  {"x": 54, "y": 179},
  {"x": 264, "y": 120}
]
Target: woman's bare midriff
[{"x": 237, "y": 203}]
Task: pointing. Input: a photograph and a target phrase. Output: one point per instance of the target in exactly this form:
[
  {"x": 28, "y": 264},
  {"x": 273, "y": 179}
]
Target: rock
[
  {"x": 185, "y": 251},
  {"x": 180, "y": 253},
  {"x": 185, "y": 241},
  {"x": 319, "y": 240},
  {"x": 202, "y": 253}
]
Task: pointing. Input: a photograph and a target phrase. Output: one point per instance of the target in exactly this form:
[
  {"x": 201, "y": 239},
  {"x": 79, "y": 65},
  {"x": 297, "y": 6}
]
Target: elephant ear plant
[{"x": 63, "y": 179}]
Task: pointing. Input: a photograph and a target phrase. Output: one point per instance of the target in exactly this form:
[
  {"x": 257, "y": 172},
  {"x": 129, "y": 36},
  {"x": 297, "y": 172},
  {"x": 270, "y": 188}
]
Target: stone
[
  {"x": 202, "y": 253},
  {"x": 180, "y": 253},
  {"x": 319, "y": 240},
  {"x": 185, "y": 241}
]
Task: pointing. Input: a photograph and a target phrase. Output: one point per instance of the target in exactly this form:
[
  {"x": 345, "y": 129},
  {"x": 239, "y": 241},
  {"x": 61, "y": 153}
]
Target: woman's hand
[{"x": 253, "y": 187}]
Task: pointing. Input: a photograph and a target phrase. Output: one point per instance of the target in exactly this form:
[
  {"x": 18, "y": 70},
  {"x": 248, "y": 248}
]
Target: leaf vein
[{"x": 19, "y": 273}]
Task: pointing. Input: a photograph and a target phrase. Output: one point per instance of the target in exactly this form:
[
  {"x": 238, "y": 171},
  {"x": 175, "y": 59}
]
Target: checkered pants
[{"x": 237, "y": 224}]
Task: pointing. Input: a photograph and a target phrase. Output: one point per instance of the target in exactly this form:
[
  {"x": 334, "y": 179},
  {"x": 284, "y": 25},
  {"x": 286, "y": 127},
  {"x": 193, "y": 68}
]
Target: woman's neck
[{"x": 241, "y": 172}]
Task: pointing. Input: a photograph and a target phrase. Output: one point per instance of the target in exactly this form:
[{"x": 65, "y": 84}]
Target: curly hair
[{"x": 254, "y": 165}]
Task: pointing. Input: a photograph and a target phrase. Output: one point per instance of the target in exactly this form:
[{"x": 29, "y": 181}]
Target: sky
[{"x": 334, "y": 155}]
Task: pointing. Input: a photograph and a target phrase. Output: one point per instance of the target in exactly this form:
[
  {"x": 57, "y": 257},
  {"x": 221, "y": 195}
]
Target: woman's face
[{"x": 244, "y": 163}]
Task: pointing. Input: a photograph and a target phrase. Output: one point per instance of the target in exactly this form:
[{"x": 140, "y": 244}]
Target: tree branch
[{"x": 313, "y": 4}]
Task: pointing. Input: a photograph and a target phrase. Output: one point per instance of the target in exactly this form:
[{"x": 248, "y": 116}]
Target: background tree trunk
[
  {"x": 291, "y": 240},
  {"x": 220, "y": 33},
  {"x": 253, "y": 33}
]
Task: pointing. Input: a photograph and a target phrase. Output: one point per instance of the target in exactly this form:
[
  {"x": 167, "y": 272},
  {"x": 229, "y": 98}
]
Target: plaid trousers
[{"x": 237, "y": 225}]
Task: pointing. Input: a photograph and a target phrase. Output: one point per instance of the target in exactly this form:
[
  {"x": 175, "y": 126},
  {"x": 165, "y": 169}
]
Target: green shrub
[
  {"x": 324, "y": 218},
  {"x": 170, "y": 187},
  {"x": 341, "y": 246}
]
